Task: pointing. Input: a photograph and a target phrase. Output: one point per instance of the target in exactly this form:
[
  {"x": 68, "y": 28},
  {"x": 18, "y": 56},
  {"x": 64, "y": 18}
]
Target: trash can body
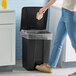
[
  {"x": 35, "y": 52},
  {"x": 35, "y": 39}
]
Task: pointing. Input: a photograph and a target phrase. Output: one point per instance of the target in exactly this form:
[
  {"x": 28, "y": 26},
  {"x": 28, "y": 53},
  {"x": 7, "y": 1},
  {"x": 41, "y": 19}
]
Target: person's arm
[
  {"x": 49, "y": 4},
  {"x": 43, "y": 10}
]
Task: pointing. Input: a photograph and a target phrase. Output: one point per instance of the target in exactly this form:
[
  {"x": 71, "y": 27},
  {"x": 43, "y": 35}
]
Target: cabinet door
[
  {"x": 70, "y": 54},
  {"x": 6, "y": 39}
]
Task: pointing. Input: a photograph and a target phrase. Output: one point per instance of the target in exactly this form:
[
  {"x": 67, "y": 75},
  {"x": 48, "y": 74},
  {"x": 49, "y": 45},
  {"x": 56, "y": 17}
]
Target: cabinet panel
[
  {"x": 6, "y": 36},
  {"x": 70, "y": 51},
  {"x": 7, "y": 18}
]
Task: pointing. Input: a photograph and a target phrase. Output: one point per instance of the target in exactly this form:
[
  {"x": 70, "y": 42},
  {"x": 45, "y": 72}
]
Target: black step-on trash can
[{"x": 35, "y": 39}]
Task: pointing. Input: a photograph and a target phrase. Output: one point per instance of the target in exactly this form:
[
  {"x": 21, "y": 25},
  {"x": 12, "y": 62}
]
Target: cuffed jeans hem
[{"x": 52, "y": 65}]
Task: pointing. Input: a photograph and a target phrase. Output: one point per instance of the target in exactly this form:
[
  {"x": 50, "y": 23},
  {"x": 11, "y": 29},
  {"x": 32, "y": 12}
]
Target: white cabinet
[
  {"x": 7, "y": 37},
  {"x": 68, "y": 53}
]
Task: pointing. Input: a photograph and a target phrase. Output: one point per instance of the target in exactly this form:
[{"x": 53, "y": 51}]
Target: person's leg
[
  {"x": 58, "y": 42},
  {"x": 71, "y": 27}
]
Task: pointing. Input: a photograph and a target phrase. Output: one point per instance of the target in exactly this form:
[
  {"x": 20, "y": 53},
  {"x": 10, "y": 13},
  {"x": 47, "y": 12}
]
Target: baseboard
[{"x": 11, "y": 68}]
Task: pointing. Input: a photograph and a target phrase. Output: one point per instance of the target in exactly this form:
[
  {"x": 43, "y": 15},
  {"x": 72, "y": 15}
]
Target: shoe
[
  {"x": 44, "y": 68},
  {"x": 73, "y": 74}
]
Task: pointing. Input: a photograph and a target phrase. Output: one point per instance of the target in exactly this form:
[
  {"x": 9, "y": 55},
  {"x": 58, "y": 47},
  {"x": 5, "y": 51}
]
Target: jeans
[{"x": 67, "y": 25}]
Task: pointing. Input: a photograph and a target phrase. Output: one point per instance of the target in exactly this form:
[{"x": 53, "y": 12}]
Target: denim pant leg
[
  {"x": 58, "y": 42},
  {"x": 70, "y": 23}
]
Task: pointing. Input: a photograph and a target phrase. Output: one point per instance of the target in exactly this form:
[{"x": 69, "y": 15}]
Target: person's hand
[{"x": 42, "y": 10}]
